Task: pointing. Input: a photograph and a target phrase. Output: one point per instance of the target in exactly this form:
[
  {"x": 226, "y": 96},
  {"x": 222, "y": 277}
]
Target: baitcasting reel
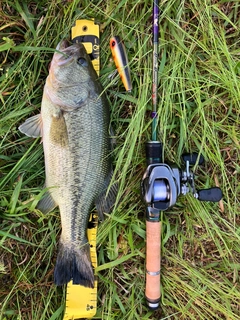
[{"x": 163, "y": 183}]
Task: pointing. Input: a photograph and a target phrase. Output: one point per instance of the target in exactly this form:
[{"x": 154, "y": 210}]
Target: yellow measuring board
[
  {"x": 81, "y": 302},
  {"x": 87, "y": 32}
]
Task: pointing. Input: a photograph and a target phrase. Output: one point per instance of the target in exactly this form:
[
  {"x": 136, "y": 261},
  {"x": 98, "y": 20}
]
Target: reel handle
[
  {"x": 211, "y": 194},
  {"x": 153, "y": 264},
  {"x": 192, "y": 158}
]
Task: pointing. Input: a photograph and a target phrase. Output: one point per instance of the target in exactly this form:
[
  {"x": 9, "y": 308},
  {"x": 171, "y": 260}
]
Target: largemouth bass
[{"x": 74, "y": 126}]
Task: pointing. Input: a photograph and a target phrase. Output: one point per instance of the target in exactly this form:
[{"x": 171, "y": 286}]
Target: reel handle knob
[
  {"x": 192, "y": 158},
  {"x": 211, "y": 194}
]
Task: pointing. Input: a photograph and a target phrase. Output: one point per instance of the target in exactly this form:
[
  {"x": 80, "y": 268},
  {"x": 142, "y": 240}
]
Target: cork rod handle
[{"x": 153, "y": 264}]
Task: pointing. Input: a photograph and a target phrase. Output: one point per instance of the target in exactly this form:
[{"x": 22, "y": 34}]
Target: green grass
[{"x": 199, "y": 110}]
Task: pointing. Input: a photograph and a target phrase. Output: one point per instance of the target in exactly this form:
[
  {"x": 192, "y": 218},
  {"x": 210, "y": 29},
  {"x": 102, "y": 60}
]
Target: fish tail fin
[{"x": 74, "y": 263}]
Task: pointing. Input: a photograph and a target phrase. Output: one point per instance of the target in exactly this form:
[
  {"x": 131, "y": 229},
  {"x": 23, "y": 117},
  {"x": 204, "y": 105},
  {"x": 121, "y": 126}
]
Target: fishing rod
[
  {"x": 162, "y": 184},
  {"x": 153, "y": 155}
]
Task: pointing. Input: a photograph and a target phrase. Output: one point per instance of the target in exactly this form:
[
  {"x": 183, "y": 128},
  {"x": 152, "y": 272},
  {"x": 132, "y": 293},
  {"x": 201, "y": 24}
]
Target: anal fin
[{"x": 46, "y": 204}]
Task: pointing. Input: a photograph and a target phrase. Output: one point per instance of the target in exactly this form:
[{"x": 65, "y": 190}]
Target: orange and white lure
[{"x": 121, "y": 61}]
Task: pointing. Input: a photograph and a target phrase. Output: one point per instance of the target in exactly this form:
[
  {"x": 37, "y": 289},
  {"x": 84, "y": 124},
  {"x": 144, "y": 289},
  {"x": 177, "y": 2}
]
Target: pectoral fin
[
  {"x": 32, "y": 127},
  {"x": 106, "y": 200}
]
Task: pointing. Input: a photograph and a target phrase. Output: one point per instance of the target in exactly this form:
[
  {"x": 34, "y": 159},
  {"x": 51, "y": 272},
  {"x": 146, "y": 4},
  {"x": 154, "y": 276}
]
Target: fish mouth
[
  {"x": 66, "y": 51},
  {"x": 64, "y": 44}
]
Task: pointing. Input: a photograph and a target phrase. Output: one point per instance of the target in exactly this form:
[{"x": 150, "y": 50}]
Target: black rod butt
[{"x": 153, "y": 304}]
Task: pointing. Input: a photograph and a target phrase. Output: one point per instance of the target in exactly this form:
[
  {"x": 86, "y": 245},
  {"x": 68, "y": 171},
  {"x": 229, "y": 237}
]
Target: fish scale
[{"x": 84, "y": 167}]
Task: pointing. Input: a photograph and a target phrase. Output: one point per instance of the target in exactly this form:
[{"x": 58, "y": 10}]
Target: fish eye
[
  {"x": 82, "y": 61},
  {"x": 113, "y": 43}
]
